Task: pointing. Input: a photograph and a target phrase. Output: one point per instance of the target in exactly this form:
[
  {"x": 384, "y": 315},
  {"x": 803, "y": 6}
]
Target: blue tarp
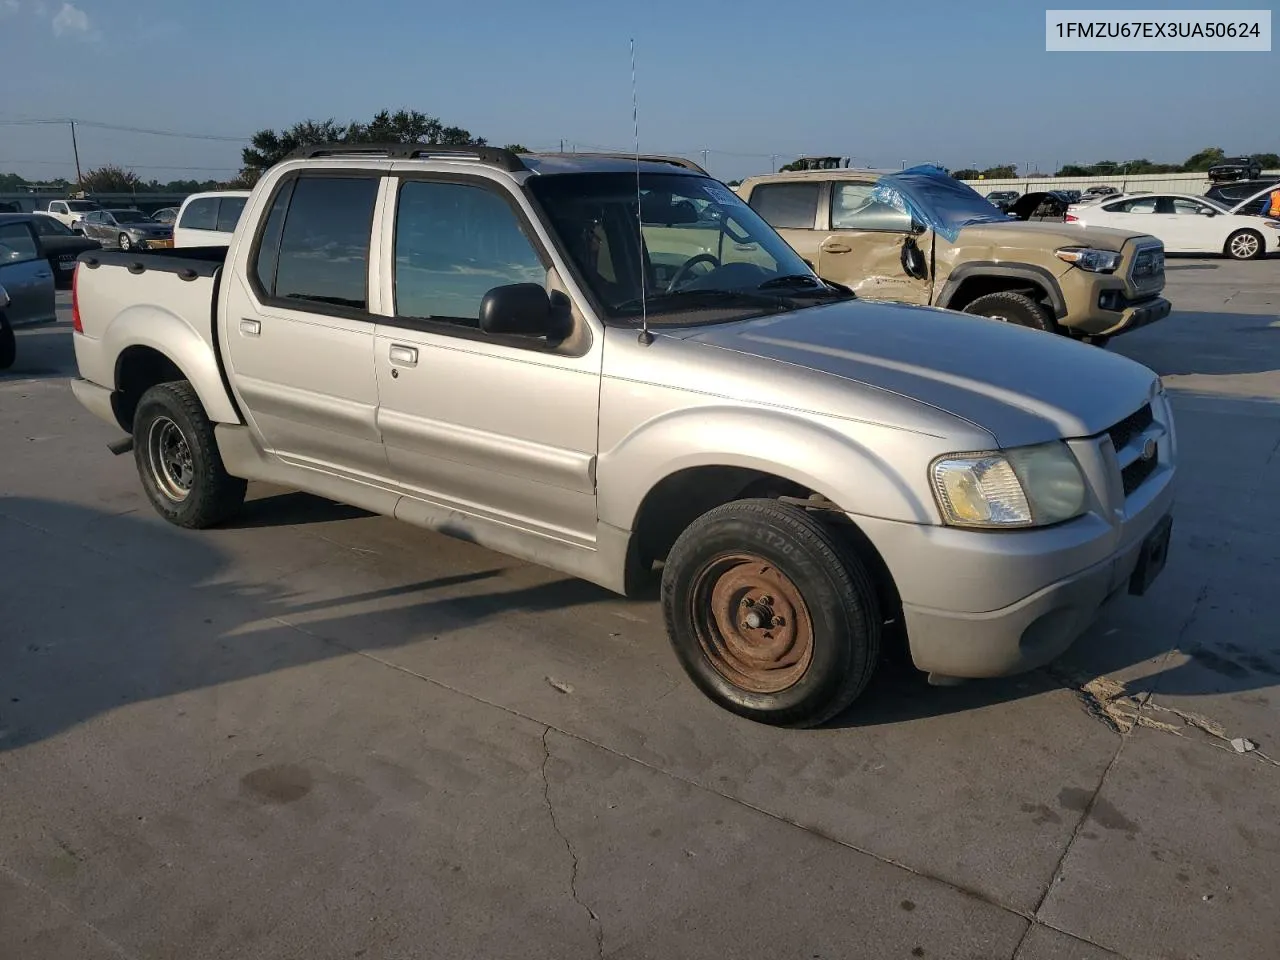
[{"x": 939, "y": 201}]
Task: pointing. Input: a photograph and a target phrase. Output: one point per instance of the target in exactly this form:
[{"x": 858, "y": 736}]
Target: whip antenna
[{"x": 646, "y": 337}]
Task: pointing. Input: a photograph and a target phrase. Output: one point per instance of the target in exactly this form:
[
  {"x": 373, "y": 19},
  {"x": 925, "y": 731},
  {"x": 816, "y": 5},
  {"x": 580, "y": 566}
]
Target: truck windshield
[{"x": 706, "y": 257}]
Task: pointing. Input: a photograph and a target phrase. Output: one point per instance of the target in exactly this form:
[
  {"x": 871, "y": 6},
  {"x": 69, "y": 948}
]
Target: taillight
[
  {"x": 76, "y": 325},
  {"x": 1072, "y": 218}
]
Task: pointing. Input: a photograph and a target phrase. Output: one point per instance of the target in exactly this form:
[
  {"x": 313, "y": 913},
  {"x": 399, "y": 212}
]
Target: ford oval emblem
[{"x": 1149, "y": 449}]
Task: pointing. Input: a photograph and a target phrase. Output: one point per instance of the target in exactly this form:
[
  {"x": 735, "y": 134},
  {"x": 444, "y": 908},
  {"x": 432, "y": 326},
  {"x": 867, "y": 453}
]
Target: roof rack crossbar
[
  {"x": 494, "y": 156},
  {"x": 644, "y": 158}
]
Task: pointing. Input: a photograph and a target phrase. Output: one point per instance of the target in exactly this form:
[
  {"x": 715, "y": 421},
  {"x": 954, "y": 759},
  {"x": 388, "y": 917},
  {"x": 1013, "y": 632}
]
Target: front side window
[
  {"x": 454, "y": 243},
  {"x": 17, "y": 245},
  {"x": 1184, "y": 206},
  {"x": 787, "y": 205},
  {"x": 200, "y": 214},
  {"x": 131, "y": 216},
  {"x": 49, "y": 227},
  {"x": 853, "y": 208},
  {"x": 229, "y": 210},
  {"x": 679, "y": 264},
  {"x": 58, "y": 208},
  {"x": 324, "y": 247}
]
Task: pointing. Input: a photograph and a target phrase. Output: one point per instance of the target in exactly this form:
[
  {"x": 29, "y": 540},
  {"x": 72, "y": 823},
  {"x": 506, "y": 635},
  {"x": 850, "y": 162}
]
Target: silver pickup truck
[{"x": 613, "y": 368}]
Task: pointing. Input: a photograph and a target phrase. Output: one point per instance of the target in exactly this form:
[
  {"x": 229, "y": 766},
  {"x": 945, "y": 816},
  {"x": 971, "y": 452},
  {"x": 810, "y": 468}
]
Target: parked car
[
  {"x": 1236, "y": 168},
  {"x": 60, "y": 245},
  {"x": 1231, "y": 194},
  {"x": 126, "y": 230},
  {"x": 1186, "y": 224},
  {"x": 1042, "y": 205},
  {"x": 475, "y": 342},
  {"x": 208, "y": 219},
  {"x": 165, "y": 215},
  {"x": 1004, "y": 199},
  {"x": 71, "y": 212},
  {"x": 1101, "y": 190},
  {"x": 26, "y": 280},
  {"x": 920, "y": 236}
]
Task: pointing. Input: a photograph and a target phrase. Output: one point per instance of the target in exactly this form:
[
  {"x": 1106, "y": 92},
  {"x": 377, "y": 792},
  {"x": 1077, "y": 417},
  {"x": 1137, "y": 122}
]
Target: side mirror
[
  {"x": 917, "y": 227},
  {"x": 522, "y": 309},
  {"x": 4, "y": 298},
  {"x": 1206, "y": 212}
]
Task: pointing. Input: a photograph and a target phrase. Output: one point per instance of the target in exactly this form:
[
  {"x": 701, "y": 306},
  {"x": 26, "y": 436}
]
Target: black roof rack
[
  {"x": 495, "y": 156},
  {"x": 644, "y": 157}
]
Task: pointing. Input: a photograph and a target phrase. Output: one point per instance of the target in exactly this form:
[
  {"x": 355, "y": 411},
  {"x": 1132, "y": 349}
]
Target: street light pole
[{"x": 76, "y": 150}]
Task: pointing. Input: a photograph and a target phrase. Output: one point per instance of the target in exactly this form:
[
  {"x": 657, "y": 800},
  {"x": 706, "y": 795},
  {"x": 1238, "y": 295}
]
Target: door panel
[
  {"x": 298, "y": 341},
  {"x": 25, "y": 275},
  {"x": 485, "y": 425},
  {"x": 862, "y": 247}
]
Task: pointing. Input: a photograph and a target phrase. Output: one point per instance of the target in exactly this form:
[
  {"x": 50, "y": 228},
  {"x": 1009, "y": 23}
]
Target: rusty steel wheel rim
[{"x": 752, "y": 623}]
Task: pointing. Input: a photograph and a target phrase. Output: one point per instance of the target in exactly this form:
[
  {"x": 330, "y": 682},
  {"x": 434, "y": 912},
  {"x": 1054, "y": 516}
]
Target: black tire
[
  {"x": 1238, "y": 248},
  {"x": 836, "y": 599},
  {"x": 8, "y": 344},
  {"x": 204, "y": 494},
  {"x": 1013, "y": 307},
  {"x": 123, "y": 242}
]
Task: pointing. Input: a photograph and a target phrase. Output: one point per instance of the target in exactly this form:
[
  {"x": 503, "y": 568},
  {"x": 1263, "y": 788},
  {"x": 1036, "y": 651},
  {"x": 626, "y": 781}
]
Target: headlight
[
  {"x": 1086, "y": 258},
  {"x": 1024, "y": 487}
]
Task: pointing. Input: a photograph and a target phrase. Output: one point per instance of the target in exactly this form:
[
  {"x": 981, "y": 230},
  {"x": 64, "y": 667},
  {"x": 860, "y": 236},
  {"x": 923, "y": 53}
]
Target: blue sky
[{"x": 883, "y": 83}]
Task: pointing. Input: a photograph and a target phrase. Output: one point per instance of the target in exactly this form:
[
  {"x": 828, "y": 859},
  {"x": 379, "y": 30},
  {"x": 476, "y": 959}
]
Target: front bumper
[{"x": 993, "y": 603}]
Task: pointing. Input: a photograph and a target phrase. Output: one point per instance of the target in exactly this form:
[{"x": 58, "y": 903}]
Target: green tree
[
  {"x": 111, "y": 179},
  {"x": 1006, "y": 172},
  {"x": 1203, "y": 160},
  {"x": 968, "y": 173},
  {"x": 11, "y": 181},
  {"x": 269, "y": 147},
  {"x": 1269, "y": 161},
  {"x": 517, "y": 148}
]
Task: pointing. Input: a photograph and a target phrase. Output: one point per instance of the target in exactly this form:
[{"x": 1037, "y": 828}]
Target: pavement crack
[
  {"x": 596, "y": 927},
  {"x": 30, "y": 885}
]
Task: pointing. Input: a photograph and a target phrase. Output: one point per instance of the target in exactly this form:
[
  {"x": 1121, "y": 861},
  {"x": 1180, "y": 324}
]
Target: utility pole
[
  {"x": 76, "y": 150},
  {"x": 773, "y": 162},
  {"x": 705, "y": 151},
  {"x": 562, "y": 144}
]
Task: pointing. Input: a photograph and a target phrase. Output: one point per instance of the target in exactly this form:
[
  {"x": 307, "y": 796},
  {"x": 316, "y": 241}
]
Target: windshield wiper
[
  {"x": 790, "y": 280},
  {"x": 705, "y": 298},
  {"x": 804, "y": 284}
]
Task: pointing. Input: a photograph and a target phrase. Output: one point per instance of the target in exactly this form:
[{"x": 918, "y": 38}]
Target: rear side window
[
  {"x": 324, "y": 247},
  {"x": 200, "y": 214},
  {"x": 229, "y": 210},
  {"x": 17, "y": 244},
  {"x": 783, "y": 205}
]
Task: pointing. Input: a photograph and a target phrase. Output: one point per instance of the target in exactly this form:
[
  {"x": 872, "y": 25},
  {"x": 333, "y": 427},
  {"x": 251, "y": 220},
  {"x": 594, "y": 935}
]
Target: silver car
[
  {"x": 26, "y": 283},
  {"x": 126, "y": 229}
]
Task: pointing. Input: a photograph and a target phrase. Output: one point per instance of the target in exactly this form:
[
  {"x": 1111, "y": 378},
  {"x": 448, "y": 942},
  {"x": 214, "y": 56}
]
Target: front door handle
[
  {"x": 403, "y": 356},
  {"x": 251, "y": 328},
  {"x": 836, "y": 248}
]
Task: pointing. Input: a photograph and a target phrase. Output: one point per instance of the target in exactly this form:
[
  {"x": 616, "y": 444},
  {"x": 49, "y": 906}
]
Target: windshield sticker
[{"x": 722, "y": 195}]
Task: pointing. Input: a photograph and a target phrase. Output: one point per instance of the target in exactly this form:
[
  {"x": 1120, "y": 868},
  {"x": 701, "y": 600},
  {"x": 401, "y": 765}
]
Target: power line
[
  {"x": 121, "y": 163},
  {"x": 123, "y": 129}
]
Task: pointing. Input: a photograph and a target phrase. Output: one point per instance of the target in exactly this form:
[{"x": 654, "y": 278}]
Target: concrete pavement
[{"x": 318, "y": 733}]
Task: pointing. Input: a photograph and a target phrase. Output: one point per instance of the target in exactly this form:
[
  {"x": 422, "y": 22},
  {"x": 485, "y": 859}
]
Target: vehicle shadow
[
  {"x": 1191, "y": 343},
  {"x": 128, "y": 635},
  {"x": 291, "y": 508},
  {"x": 44, "y": 352}
]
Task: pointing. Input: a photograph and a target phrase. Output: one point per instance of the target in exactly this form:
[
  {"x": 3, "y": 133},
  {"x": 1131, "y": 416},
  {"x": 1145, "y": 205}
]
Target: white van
[{"x": 209, "y": 219}]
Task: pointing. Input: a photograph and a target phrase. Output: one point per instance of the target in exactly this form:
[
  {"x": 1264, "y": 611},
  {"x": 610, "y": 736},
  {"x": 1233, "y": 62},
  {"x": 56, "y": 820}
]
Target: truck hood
[
  {"x": 1042, "y": 234},
  {"x": 1021, "y": 386}
]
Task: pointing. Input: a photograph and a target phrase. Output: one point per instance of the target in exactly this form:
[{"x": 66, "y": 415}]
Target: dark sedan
[
  {"x": 60, "y": 246},
  {"x": 1235, "y": 168},
  {"x": 126, "y": 229}
]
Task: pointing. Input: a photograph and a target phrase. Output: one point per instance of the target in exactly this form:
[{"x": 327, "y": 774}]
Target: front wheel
[
  {"x": 769, "y": 614},
  {"x": 124, "y": 242},
  {"x": 178, "y": 460},
  {"x": 1012, "y": 307},
  {"x": 1245, "y": 245}
]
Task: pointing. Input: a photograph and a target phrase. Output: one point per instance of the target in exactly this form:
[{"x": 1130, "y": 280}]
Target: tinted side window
[
  {"x": 455, "y": 243},
  {"x": 269, "y": 245},
  {"x": 229, "y": 210},
  {"x": 200, "y": 214},
  {"x": 324, "y": 250},
  {"x": 17, "y": 244},
  {"x": 852, "y": 208},
  {"x": 787, "y": 204}
]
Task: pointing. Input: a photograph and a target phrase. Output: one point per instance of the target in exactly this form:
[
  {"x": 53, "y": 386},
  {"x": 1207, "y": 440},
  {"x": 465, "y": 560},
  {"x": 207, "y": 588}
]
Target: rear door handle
[
  {"x": 251, "y": 328},
  {"x": 835, "y": 248},
  {"x": 403, "y": 356}
]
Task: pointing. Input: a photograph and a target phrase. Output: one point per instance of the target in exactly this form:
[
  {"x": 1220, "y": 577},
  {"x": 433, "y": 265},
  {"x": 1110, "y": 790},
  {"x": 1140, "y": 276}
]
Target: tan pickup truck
[
  {"x": 491, "y": 346},
  {"x": 920, "y": 236}
]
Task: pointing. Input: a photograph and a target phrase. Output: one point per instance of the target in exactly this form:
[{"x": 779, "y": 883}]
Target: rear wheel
[
  {"x": 8, "y": 344},
  {"x": 769, "y": 614},
  {"x": 1012, "y": 307},
  {"x": 124, "y": 242},
  {"x": 1244, "y": 245},
  {"x": 178, "y": 460}
]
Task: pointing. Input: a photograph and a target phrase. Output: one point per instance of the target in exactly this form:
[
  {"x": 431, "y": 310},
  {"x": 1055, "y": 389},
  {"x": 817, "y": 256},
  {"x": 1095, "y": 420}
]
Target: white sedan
[{"x": 1184, "y": 223}]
